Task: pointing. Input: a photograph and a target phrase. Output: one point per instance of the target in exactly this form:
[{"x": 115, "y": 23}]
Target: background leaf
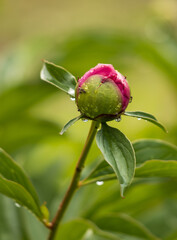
[
  {"x": 148, "y": 149},
  {"x": 83, "y": 229},
  {"x": 122, "y": 223},
  {"x": 145, "y": 116},
  {"x": 118, "y": 152},
  {"x": 15, "y": 184},
  {"x": 11, "y": 171},
  {"x": 59, "y": 77},
  {"x": 157, "y": 168},
  {"x": 20, "y": 195}
]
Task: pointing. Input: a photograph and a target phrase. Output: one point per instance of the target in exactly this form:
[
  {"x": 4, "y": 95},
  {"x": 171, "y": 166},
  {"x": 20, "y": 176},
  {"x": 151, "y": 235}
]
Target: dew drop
[
  {"x": 72, "y": 98},
  {"x": 85, "y": 120},
  {"x": 139, "y": 118},
  {"x": 99, "y": 183},
  {"x": 71, "y": 91},
  {"x": 118, "y": 119},
  {"x": 17, "y": 205}
]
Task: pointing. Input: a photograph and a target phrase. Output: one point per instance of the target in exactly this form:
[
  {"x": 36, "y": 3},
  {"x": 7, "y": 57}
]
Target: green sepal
[
  {"x": 70, "y": 123},
  {"x": 59, "y": 77},
  {"x": 146, "y": 116}
]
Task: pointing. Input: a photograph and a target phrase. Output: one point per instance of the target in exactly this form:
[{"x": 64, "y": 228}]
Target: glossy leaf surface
[{"x": 118, "y": 152}]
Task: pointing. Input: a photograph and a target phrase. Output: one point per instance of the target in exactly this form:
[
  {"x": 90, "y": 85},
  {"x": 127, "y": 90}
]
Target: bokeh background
[{"x": 140, "y": 39}]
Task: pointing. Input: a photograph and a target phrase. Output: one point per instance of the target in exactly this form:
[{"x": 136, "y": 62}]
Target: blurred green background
[{"x": 140, "y": 39}]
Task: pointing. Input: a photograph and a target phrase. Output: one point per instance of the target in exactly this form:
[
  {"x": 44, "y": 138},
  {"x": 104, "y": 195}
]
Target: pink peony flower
[{"x": 91, "y": 92}]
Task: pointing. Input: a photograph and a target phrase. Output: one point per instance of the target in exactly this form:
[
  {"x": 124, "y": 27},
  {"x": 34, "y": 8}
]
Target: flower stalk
[{"x": 74, "y": 185}]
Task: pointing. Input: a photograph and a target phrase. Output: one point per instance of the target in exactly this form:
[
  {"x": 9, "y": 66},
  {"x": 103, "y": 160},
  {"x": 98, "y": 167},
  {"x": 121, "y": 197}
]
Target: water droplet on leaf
[
  {"x": 118, "y": 119},
  {"x": 72, "y": 98},
  {"x": 139, "y": 118},
  {"x": 71, "y": 92},
  {"x": 17, "y": 205},
  {"x": 85, "y": 120},
  {"x": 99, "y": 183}
]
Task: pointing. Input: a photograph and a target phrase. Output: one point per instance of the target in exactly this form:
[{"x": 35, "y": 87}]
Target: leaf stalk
[{"x": 74, "y": 185}]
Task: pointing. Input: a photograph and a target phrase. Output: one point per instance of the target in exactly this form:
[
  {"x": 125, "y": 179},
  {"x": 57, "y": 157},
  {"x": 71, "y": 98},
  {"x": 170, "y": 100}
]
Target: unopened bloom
[{"x": 102, "y": 93}]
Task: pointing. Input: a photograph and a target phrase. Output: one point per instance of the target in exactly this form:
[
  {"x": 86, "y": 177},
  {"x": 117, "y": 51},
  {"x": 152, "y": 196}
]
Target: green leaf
[
  {"x": 157, "y": 168},
  {"x": 145, "y": 151},
  {"x": 83, "y": 229},
  {"x": 10, "y": 170},
  {"x": 148, "y": 149},
  {"x": 20, "y": 195},
  {"x": 103, "y": 172},
  {"x": 59, "y": 77},
  {"x": 145, "y": 116},
  {"x": 151, "y": 168},
  {"x": 118, "y": 152},
  {"x": 123, "y": 223},
  {"x": 69, "y": 124},
  {"x": 13, "y": 176}
]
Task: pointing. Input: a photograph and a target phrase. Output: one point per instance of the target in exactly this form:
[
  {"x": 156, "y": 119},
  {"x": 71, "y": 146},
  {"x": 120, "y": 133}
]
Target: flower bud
[{"x": 102, "y": 93}]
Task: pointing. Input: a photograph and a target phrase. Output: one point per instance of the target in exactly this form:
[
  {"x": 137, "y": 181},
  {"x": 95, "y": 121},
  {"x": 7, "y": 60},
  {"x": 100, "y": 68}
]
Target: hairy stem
[{"x": 75, "y": 181}]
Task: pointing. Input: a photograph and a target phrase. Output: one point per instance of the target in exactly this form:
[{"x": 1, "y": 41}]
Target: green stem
[{"x": 75, "y": 181}]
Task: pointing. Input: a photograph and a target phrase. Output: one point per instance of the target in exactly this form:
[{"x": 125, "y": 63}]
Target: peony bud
[{"x": 102, "y": 93}]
